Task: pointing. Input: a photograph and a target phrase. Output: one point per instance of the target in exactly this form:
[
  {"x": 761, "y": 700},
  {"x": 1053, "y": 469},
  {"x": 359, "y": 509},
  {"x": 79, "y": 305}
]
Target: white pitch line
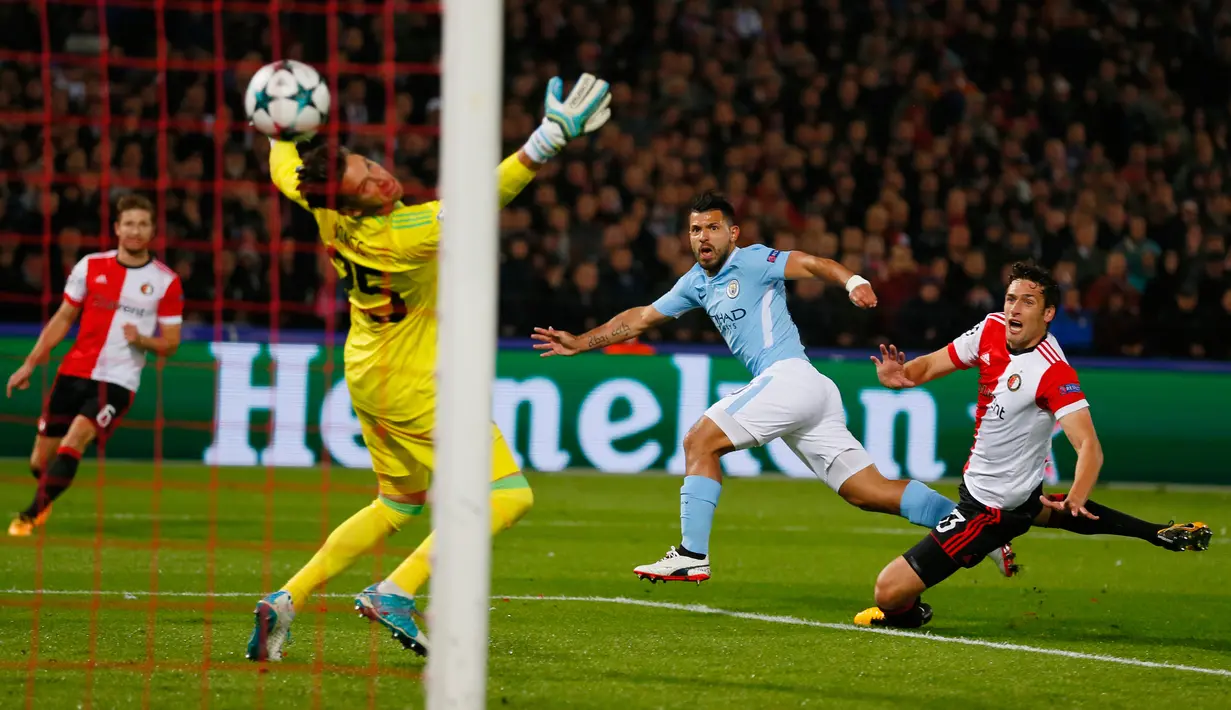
[
  {"x": 192, "y": 517},
  {"x": 1035, "y": 534},
  {"x": 702, "y": 609}
]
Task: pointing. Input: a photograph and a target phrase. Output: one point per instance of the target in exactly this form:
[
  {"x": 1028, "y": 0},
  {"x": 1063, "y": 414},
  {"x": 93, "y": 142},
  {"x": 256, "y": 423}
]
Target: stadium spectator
[
  {"x": 1074, "y": 324},
  {"x": 930, "y": 144}
]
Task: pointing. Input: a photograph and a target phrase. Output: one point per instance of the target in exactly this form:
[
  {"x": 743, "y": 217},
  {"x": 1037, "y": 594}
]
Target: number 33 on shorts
[{"x": 950, "y": 521}]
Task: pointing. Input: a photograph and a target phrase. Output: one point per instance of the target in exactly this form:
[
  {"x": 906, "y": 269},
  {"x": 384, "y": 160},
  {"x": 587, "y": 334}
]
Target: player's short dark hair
[
  {"x": 321, "y": 173},
  {"x": 710, "y": 200},
  {"x": 1032, "y": 272},
  {"x": 133, "y": 202}
]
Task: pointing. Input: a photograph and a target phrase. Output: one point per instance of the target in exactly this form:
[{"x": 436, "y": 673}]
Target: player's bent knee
[
  {"x": 694, "y": 440},
  {"x": 402, "y": 489},
  {"x": 80, "y": 433},
  {"x": 396, "y": 512},
  {"x": 884, "y": 592},
  {"x": 897, "y": 585},
  {"x": 706, "y": 438},
  {"x": 868, "y": 490},
  {"x": 512, "y": 498}
]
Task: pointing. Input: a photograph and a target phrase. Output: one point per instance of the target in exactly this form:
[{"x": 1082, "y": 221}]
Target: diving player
[
  {"x": 385, "y": 254},
  {"x": 1026, "y": 387}
]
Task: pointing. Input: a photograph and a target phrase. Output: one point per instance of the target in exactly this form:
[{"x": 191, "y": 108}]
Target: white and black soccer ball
[{"x": 287, "y": 100}]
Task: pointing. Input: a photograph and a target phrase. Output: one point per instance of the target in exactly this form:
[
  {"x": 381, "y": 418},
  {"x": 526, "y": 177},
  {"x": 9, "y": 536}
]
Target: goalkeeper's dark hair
[
  {"x": 711, "y": 200},
  {"x": 1027, "y": 271},
  {"x": 317, "y": 177}
]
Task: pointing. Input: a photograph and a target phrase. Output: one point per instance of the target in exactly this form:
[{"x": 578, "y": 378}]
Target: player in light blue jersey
[{"x": 743, "y": 290}]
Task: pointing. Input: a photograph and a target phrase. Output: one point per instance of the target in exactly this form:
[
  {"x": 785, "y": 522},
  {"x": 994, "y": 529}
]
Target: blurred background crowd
[{"x": 924, "y": 144}]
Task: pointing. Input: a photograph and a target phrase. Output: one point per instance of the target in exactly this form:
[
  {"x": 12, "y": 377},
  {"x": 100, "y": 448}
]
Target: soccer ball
[{"x": 287, "y": 100}]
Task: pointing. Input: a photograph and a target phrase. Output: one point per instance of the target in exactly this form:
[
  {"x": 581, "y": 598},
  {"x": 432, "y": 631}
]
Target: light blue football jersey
[{"x": 746, "y": 300}]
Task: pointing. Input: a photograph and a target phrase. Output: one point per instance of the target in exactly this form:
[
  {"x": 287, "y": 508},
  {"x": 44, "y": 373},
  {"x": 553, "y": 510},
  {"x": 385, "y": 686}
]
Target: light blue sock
[
  {"x": 923, "y": 506},
  {"x": 698, "y": 499}
]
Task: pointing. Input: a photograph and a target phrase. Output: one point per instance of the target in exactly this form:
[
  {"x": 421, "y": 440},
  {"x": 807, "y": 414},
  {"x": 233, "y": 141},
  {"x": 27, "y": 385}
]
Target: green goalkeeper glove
[{"x": 584, "y": 111}]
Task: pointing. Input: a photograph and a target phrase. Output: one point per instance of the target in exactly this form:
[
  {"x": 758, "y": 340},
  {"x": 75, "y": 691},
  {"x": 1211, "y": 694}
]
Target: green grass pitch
[{"x": 571, "y": 627}]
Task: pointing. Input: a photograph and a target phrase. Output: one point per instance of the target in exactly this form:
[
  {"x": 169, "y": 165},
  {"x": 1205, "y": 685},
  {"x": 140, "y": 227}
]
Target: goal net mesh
[{"x": 217, "y": 485}]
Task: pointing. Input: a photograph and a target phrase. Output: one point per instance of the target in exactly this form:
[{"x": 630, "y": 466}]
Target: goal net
[{"x": 240, "y": 453}]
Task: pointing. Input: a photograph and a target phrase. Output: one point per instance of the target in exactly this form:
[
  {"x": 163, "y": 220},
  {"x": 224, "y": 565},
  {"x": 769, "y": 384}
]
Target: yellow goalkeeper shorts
[{"x": 402, "y": 451}]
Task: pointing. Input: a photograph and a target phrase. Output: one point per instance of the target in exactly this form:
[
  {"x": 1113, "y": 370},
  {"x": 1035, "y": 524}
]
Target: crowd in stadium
[{"x": 925, "y": 145}]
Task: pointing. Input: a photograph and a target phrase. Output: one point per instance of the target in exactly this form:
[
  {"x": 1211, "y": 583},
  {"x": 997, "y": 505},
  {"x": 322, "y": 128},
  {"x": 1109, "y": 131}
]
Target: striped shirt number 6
[{"x": 105, "y": 415}]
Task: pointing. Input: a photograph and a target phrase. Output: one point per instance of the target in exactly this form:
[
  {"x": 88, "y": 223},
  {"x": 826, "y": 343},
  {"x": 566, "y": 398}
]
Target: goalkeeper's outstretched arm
[
  {"x": 584, "y": 111},
  {"x": 363, "y": 188},
  {"x": 284, "y": 164}
]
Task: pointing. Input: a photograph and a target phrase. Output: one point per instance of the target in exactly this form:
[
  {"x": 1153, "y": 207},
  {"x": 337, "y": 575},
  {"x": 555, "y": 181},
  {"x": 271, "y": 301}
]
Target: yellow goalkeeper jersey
[{"x": 388, "y": 266}]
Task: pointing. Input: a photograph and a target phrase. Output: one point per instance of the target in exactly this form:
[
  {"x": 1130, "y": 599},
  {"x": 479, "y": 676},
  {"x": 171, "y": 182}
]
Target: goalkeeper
[{"x": 385, "y": 255}]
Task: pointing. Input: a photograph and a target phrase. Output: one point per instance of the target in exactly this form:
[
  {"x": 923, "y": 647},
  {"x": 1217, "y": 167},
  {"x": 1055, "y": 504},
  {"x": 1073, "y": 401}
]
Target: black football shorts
[
  {"x": 104, "y": 403},
  {"x": 968, "y": 534}
]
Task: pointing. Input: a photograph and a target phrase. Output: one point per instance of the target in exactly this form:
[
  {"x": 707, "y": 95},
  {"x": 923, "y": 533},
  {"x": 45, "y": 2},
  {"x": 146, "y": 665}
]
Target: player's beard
[{"x": 718, "y": 258}]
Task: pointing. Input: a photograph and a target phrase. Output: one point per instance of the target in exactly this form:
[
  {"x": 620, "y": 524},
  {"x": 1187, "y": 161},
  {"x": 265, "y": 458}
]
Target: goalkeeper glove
[{"x": 583, "y": 112}]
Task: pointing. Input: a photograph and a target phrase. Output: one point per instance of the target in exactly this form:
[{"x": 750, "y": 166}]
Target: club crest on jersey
[
  {"x": 1015, "y": 382},
  {"x": 732, "y": 288},
  {"x": 147, "y": 289}
]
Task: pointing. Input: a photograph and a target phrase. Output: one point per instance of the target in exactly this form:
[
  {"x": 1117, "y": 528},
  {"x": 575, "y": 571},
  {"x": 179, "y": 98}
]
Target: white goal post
[{"x": 466, "y": 359}]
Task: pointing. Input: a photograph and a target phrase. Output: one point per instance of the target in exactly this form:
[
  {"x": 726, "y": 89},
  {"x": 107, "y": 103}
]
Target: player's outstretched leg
[
  {"x": 58, "y": 477},
  {"x": 359, "y": 534},
  {"x": 391, "y": 603},
  {"x": 1180, "y": 537},
  {"x": 868, "y": 490},
  {"x": 704, "y": 445},
  {"x": 961, "y": 539}
]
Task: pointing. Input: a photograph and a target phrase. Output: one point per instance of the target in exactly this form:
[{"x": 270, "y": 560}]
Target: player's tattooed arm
[
  {"x": 601, "y": 340},
  {"x": 625, "y": 326}
]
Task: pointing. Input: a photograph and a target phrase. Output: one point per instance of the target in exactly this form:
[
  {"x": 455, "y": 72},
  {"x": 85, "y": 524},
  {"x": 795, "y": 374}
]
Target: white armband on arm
[{"x": 855, "y": 282}]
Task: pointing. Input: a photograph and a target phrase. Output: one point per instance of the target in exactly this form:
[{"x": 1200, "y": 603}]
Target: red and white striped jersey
[
  {"x": 1021, "y": 396},
  {"x": 112, "y": 295}
]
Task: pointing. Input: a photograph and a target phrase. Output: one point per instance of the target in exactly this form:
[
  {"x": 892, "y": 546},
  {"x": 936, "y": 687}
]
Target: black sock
[
  {"x": 688, "y": 553},
  {"x": 1110, "y": 522},
  {"x": 59, "y": 477},
  {"x": 909, "y": 617}
]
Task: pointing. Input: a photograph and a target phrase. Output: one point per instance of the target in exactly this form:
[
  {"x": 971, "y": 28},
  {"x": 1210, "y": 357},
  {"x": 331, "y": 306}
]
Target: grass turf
[{"x": 781, "y": 547}]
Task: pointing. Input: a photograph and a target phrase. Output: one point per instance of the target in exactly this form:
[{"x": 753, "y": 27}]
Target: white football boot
[
  {"x": 675, "y": 567},
  {"x": 272, "y": 629},
  {"x": 1005, "y": 560}
]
